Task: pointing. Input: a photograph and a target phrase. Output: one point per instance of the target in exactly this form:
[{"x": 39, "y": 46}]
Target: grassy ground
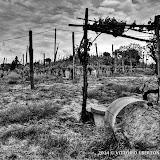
[{"x": 44, "y": 123}]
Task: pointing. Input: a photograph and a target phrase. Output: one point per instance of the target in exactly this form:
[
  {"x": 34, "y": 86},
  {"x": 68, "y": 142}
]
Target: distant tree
[
  {"x": 14, "y": 64},
  {"x": 48, "y": 60},
  {"x": 106, "y": 54},
  {"x": 70, "y": 57},
  {"x": 152, "y": 53},
  {"x": 107, "y": 59},
  {"x": 129, "y": 53}
]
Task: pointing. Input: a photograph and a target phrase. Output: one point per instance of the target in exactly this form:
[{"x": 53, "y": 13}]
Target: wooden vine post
[
  {"x": 112, "y": 60},
  {"x": 157, "y": 27},
  {"x": 55, "y": 46},
  {"x": 123, "y": 68},
  {"x": 97, "y": 60},
  {"x": 85, "y": 63},
  {"x": 115, "y": 59},
  {"x": 31, "y": 60},
  {"x": 73, "y": 55},
  {"x": 44, "y": 64},
  {"x": 130, "y": 62},
  {"x": 23, "y": 59},
  {"x": 26, "y": 55}
]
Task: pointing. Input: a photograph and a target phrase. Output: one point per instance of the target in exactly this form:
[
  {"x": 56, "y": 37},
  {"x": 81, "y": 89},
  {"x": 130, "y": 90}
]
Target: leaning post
[{"x": 31, "y": 60}]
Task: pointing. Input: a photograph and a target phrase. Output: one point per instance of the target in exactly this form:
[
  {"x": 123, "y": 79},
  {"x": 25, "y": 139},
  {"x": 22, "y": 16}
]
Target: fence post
[{"x": 31, "y": 60}]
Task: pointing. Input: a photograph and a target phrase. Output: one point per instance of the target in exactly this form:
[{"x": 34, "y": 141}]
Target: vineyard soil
[{"x": 44, "y": 123}]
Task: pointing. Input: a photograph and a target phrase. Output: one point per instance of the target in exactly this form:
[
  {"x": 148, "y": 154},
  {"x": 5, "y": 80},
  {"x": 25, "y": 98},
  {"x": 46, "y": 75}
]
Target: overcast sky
[{"x": 17, "y": 17}]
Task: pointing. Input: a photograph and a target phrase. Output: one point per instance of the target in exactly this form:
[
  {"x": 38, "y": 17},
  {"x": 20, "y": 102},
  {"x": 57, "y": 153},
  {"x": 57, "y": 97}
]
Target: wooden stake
[
  {"x": 44, "y": 60},
  {"x": 4, "y": 60},
  {"x": 31, "y": 60},
  {"x": 26, "y": 54},
  {"x": 85, "y": 84},
  {"x": 157, "y": 23},
  {"x": 73, "y": 55},
  {"x": 97, "y": 60},
  {"x": 115, "y": 60},
  {"x": 131, "y": 62},
  {"x": 23, "y": 59},
  {"x": 112, "y": 50},
  {"x": 123, "y": 70},
  {"x": 55, "y": 46},
  {"x": 55, "y": 56}
]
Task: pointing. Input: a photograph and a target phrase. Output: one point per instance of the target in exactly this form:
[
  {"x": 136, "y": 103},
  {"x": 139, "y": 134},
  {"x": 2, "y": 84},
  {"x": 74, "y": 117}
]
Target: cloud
[
  {"x": 17, "y": 17},
  {"x": 109, "y": 3},
  {"x": 105, "y": 10}
]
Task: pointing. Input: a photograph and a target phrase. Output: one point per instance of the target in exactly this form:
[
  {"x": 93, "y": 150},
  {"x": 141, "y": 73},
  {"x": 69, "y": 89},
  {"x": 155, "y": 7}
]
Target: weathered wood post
[
  {"x": 23, "y": 59},
  {"x": 31, "y": 60},
  {"x": 97, "y": 60},
  {"x": 44, "y": 60},
  {"x": 123, "y": 69},
  {"x": 115, "y": 61},
  {"x": 130, "y": 62},
  {"x": 157, "y": 27},
  {"x": 27, "y": 55},
  {"x": 73, "y": 55},
  {"x": 55, "y": 56},
  {"x": 85, "y": 84},
  {"x": 3, "y": 68},
  {"x": 55, "y": 46}
]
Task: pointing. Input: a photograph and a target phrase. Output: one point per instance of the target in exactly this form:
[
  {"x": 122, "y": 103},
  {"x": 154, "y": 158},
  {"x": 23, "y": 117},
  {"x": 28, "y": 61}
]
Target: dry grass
[
  {"x": 22, "y": 114},
  {"x": 13, "y": 78},
  {"x": 56, "y": 145},
  {"x": 109, "y": 92},
  {"x": 21, "y": 132}
]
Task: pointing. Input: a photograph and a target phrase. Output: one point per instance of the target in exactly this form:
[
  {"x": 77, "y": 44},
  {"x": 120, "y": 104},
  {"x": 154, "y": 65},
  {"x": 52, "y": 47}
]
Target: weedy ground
[{"x": 44, "y": 123}]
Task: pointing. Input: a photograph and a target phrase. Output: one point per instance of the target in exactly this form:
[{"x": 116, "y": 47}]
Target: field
[{"x": 44, "y": 123}]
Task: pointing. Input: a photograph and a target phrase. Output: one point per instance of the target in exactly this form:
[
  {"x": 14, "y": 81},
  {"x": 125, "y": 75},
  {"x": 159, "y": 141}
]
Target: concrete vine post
[{"x": 31, "y": 60}]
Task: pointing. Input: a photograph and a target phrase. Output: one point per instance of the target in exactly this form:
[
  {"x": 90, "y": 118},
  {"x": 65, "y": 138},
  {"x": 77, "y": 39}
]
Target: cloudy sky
[{"x": 17, "y": 17}]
